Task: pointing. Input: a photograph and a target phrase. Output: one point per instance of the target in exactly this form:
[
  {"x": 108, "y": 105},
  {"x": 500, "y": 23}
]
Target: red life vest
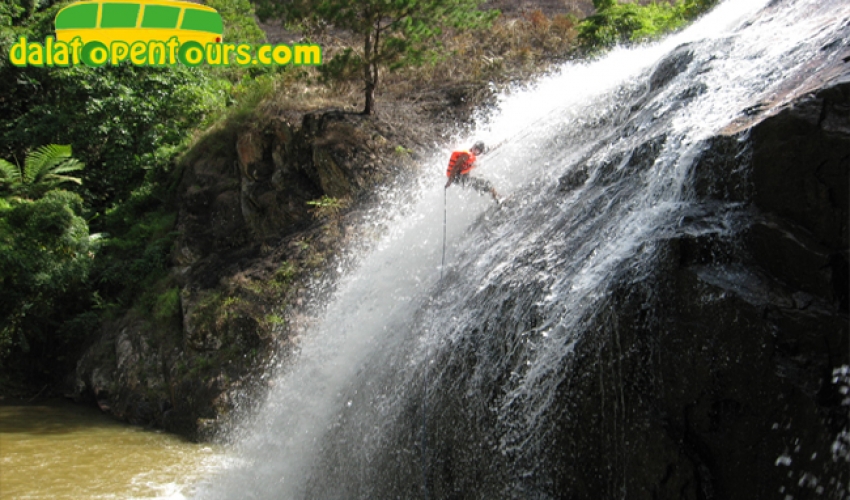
[{"x": 461, "y": 163}]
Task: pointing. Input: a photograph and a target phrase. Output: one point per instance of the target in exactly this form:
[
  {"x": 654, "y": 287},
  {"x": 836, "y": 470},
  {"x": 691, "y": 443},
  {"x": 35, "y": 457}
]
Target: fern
[{"x": 43, "y": 170}]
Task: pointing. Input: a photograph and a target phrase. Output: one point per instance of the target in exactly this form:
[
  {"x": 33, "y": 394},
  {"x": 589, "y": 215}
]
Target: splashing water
[{"x": 343, "y": 421}]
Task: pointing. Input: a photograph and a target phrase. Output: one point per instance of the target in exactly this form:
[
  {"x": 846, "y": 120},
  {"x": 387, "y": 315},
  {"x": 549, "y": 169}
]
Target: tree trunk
[
  {"x": 370, "y": 70},
  {"x": 369, "y": 107}
]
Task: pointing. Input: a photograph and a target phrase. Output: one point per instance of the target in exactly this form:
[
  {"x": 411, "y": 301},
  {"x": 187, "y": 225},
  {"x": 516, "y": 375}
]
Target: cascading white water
[{"x": 363, "y": 367}]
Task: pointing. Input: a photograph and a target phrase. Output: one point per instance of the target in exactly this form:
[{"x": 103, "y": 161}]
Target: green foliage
[
  {"x": 343, "y": 67},
  {"x": 402, "y": 151},
  {"x": 239, "y": 23},
  {"x": 328, "y": 207},
  {"x": 274, "y": 319},
  {"x": 127, "y": 124},
  {"x": 46, "y": 255},
  {"x": 248, "y": 94},
  {"x": 43, "y": 170},
  {"x": 167, "y": 304},
  {"x": 10, "y": 11},
  {"x": 121, "y": 121},
  {"x": 621, "y": 23},
  {"x": 45, "y": 247},
  {"x": 604, "y": 4},
  {"x": 202, "y": 365},
  {"x": 135, "y": 256},
  {"x": 23, "y": 17},
  {"x": 283, "y": 278},
  {"x": 395, "y": 33},
  {"x": 240, "y": 26}
]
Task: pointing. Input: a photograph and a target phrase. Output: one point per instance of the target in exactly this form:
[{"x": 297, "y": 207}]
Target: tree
[
  {"x": 45, "y": 247},
  {"x": 125, "y": 122},
  {"x": 42, "y": 171},
  {"x": 46, "y": 253},
  {"x": 395, "y": 33}
]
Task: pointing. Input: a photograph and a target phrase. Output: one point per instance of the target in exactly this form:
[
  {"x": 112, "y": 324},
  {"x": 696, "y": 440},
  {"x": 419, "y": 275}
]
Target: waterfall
[{"x": 410, "y": 386}]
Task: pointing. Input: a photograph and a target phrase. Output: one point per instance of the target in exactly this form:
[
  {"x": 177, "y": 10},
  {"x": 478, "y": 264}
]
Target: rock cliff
[{"x": 262, "y": 209}]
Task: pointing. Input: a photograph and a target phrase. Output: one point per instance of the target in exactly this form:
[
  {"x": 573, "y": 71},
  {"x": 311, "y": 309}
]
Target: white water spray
[{"x": 548, "y": 128}]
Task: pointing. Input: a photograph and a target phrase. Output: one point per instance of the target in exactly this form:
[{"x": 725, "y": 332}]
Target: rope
[
  {"x": 427, "y": 362},
  {"x": 445, "y": 218},
  {"x": 497, "y": 146},
  {"x": 425, "y": 433}
]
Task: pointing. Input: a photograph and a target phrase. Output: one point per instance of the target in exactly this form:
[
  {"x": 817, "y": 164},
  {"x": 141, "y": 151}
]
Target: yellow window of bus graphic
[{"x": 132, "y": 21}]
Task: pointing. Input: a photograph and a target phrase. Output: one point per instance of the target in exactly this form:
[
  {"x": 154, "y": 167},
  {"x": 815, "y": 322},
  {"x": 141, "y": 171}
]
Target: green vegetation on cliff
[
  {"x": 127, "y": 124},
  {"x": 616, "y": 22},
  {"x": 46, "y": 252}
]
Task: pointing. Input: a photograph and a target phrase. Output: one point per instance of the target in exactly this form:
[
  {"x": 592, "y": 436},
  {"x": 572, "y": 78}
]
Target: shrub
[
  {"x": 46, "y": 255},
  {"x": 167, "y": 304},
  {"x": 621, "y": 23}
]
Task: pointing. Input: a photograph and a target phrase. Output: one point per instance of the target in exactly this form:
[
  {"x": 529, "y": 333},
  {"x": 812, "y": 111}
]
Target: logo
[{"x": 149, "y": 33}]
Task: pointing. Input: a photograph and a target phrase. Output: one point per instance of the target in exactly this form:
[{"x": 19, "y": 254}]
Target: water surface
[{"x": 57, "y": 450}]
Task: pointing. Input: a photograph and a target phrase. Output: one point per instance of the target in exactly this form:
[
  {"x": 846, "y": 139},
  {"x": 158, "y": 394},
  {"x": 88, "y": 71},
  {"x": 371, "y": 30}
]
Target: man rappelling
[{"x": 461, "y": 164}]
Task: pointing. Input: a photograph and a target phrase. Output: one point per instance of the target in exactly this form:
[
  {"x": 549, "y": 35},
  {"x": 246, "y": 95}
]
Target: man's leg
[{"x": 482, "y": 186}]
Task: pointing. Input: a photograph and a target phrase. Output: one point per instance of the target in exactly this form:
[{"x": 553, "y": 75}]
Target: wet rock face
[
  {"x": 122, "y": 373},
  {"x": 263, "y": 191},
  {"x": 719, "y": 367},
  {"x": 258, "y": 190},
  {"x": 800, "y": 177},
  {"x": 712, "y": 366},
  {"x": 669, "y": 67},
  {"x": 714, "y": 376}
]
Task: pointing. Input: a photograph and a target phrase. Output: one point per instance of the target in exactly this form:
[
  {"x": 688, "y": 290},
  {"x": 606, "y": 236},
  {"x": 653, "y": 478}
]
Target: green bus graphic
[
  {"x": 131, "y": 21},
  {"x": 149, "y": 33}
]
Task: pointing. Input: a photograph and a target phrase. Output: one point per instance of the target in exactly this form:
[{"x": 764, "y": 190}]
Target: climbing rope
[
  {"x": 427, "y": 362},
  {"x": 445, "y": 218},
  {"x": 425, "y": 433}
]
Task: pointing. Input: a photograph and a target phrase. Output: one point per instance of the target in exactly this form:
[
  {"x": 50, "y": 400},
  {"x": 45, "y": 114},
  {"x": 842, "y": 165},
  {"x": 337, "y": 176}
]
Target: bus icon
[{"x": 132, "y": 21}]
